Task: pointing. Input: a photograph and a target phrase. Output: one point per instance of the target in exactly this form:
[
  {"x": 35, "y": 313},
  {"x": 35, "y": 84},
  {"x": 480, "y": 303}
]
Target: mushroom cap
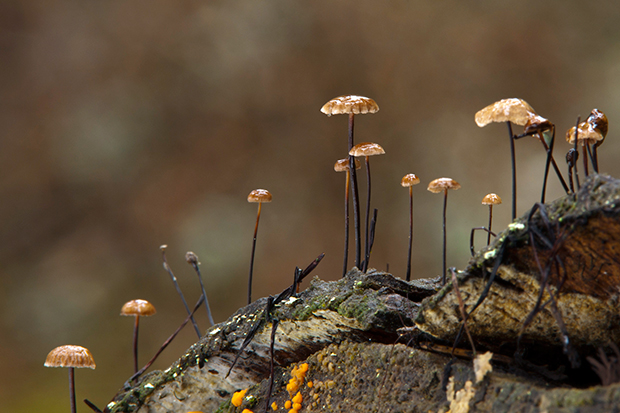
[
  {"x": 350, "y": 104},
  {"x": 514, "y": 110},
  {"x": 537, "y": 124},
  {"x": 138, "y": 307},
  {"x": 599, "y": 121},
  {"x": 342, "y": 165},
  {"x": 70, "y": 356},
  {"x": 259, "y": 195},
  {"x": 366, "y": 149},
  {"x": 587, "y": 134},
  {"x": 491, "y": 199},
  {"x": 441, "y": 184},
  {"x": 409, "y": 180}
]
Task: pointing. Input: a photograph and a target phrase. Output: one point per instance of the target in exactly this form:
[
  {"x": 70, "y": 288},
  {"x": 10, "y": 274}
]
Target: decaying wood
[{"x": 345, "y": 331}]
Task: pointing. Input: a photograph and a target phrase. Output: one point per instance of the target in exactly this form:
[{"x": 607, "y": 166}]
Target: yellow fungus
[
  {"x": 297, "y": 406},
  {"x": 287, "y": 404},
  {"x": 274, "y": 406},
  {"x": 310, "y": 384},
  {"x": 247, "y": 411},
  {"x": 297, "y": 398},
  {"x": 237, "y": 398}
]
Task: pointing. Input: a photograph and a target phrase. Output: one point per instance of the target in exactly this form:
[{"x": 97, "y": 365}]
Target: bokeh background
[{"x": 127, "y": 125}]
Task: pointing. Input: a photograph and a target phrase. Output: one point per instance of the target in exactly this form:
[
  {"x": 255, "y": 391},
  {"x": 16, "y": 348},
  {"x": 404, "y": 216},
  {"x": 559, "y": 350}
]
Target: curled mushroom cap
[
  {"x": 366, "y": 149},
  {"x": 599, "y": 121},
  {"x": 138, "y": 307},
  {"x": 491, "y": 199},
  {"x": 442, "y": 184},
  {"x": 350, "y": 104},
  {"x": 537, "y": 124},
  {"x": 514, "y": 110},
  {"x": 259, "y": 195},
  {"x": 587, "y": 134},
  {"x": 342, "y": 165},
  {"x": 70, "y": 356},
  {"x": 409, "y": 180}
]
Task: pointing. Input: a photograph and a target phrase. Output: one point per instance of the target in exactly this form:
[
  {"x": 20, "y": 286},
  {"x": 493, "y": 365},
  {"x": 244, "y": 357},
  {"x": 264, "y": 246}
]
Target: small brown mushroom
[
  {"x": 409, "y": 181},
  {"x": 443, "y": 185},
  {"x": 586, "y": 135},
  {"x": 259, "y": 196},
  {"x": 599, "y": 122},
  {"x": 137, "y": 308},
  {"x": 71, "y": 357},
  {"x": 367, "y": 149},
  {"x": 342, "y": 165},
  {"x": 490, "y": 200},
  {"x": 352, "y": 105}
]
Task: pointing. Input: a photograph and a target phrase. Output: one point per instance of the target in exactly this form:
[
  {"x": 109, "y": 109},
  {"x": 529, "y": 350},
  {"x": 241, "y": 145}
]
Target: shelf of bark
[{"x": 373, "y": 342}]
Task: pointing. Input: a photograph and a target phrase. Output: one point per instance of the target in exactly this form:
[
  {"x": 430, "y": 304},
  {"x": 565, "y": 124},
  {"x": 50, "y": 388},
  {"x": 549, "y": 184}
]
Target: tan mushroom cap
[
  {"x": 70, "y": 356},
  {"x": 587, "y": 134},
  {"x": 537, "y": 124},
  {"x": 442, "y": 184},
  {"x": 599, "y": 121},
  {"x": 514, "y": 110},
  {"x": 350, "y": 104},
  {"x": 491, "y": 199},
  {"x": 409, "y": 180},
  {"x": 342, "y": 165},
  {"x": 366, "y": 149},
  {"x": 138, "y": 307},
  {"x": 259, "y": 195}
]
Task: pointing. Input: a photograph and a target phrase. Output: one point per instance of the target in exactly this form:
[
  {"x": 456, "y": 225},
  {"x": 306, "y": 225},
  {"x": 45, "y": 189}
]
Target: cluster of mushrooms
[{"x": 587, "y": 135}]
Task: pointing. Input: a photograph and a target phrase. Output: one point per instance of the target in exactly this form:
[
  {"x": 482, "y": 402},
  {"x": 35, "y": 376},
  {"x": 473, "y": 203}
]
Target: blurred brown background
[{"x": 126, "y": 125}]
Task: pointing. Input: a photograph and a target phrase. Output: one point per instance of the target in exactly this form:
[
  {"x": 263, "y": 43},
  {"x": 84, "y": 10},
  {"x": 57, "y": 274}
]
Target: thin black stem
[
  {"x": 585, "y": 159},
  {"x": 92, "y": 406},
  {"x": 367, "y": 250},
  {"x": 570, "y": 178},
  {"x": 576, "y": 152},
  {"x": 595, "y": 159},
  {"x": 490, "y": 222},
  {"x": 410, "y": 233},
  {"x": 72, "y": 388},
  {"x": 356, "y": 206},
  {"x": 135, "y": 344},
  {"x": 252, "y": 257},
  {"x": 550, "y": 158},
  {"x": 176, "y": 285},
  {"x": 514, "y": 171},
  {"x": 274, "y": 328},
  {"x": 194, "y": 263},
  {"x": 445, "y": 204},
  {"x": 594, "y": 166},
  {"x": 346, "y": 226}
]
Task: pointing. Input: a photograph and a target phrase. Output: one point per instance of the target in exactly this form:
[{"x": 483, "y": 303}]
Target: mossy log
[{"x": 346, "y": 332}]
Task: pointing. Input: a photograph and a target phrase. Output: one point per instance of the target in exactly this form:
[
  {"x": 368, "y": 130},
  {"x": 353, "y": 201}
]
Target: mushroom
[
  {"x": 343, "y": 166},
  {"x": 586, "y": 135},
  {"x": 490, "y": 200},
  {"x": 598, "y": 120},
  {"x": 261, "y": 196},
  {"x": 192, "y": 259},
  {"x": 512, "y": 110},
  {"x": 409, "y": 181},
  {"x": 137, "y": 308},
  {"x": 367, "y": 149},
  {"x": 352, "y": 105},
  {"x": 442, "y": 185},
  {"x": 571, "y": 160},
  {"x": 71, "y": 357}
]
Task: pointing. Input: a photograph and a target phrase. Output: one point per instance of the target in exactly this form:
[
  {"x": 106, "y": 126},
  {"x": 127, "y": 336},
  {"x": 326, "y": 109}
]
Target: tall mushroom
[
  {"x": 490, "y": 200},
  {"x": 598, "y": 120},
  {"x": 71, "y": 357},
  {"x": 352, "y": 105},
  {"x": 443, "y": 185},
  {"x": 137, "y": 308},
  {"x": 259, "y": 196},
  {"x": 367, "y": 149},
  {"x": 342, "y": 165},
  {"x": 409, "y": 181}
]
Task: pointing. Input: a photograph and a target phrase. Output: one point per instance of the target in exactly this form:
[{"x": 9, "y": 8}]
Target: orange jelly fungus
[
  {"x": 310, "y": 384},
  {"x": 274, "y": 406},
  {"x": 237, "y": 398},
  {"x": 288, "y": 404},
  {"x": 298, "y": 373},
  {"x": 247, "y": 411},
  {"x": 297, "y": 398}
]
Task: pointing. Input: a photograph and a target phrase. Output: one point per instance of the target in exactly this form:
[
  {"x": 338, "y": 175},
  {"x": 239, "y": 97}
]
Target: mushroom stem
[
  {"x": 367, "y": 250},
  {"x": 252, "y": 257},
  {"x": 514, "y": 173},
  {"x": 346, "y": 225},
  {"x": 135, "y": 344},
  {"x": 490, "y": 222},
  {"x": 176, "y": 285},
  {"x": 585, "y": 159},
  {"x": 356, "y": 206},
  {"x": 595, "y": 159},
  {"x": 194, "y": 263},
  {"x": 410, "y": 233},
  {"x": 594, "y": 166},
  {"x": 576, "y": 151},
  {"x": 72, "y": 388},
  {"x": 445, "y": 204}
]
